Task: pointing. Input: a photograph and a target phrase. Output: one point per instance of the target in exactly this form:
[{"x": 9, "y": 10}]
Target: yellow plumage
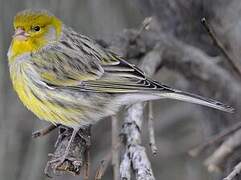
[{"x": 27, "y": 94}]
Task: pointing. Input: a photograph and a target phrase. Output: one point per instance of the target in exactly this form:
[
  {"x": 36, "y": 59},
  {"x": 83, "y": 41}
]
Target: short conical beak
[{"x": 20, "y": 34}]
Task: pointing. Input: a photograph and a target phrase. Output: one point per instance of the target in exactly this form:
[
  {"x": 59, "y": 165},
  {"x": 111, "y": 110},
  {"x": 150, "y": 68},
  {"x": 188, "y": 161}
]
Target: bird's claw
[{"x": 58, "y": 161}]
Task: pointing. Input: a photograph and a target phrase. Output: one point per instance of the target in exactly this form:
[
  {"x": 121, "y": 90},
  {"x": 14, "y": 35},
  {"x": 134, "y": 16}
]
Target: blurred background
[{"x": 179, "y": 126}]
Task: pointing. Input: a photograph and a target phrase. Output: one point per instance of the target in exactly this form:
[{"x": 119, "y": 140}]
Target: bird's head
[{"x": 33, "y": 30}]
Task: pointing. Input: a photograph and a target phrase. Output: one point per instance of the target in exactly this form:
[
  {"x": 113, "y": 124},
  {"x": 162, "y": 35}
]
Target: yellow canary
[{"x": 67, "y": 78}]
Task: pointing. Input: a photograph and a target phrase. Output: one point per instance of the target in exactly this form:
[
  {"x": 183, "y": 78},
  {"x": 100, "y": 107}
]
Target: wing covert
[{"x": 77, "y": 62}]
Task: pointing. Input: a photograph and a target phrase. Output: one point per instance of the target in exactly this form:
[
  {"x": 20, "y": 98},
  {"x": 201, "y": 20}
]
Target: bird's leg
[
  {"x": 61, "y": 159},
  {"x": 62, "y": 134},
  {"x": 44, "y": 131}
]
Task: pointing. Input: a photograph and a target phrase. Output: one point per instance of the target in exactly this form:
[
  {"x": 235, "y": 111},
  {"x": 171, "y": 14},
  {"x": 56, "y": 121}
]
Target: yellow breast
[
  {"x": 46, "y": 103},
  {"x": 26, "y": 92},
  {"x": 37, "y": 99}
]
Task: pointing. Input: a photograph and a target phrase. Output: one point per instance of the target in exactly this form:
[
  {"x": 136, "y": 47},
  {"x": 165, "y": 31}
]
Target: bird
[{"x": 67, "y": 78}]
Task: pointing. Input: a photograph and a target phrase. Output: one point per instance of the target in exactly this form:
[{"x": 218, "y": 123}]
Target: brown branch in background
[
  {"x": 105, "y": 162},
  {"x": 211, "y": 32},
  {"x": 151, "y": 130},
  {"x": 87, "y": 164},
  {"x": 236, "y": 171},
  {"x": 87, "y": 155},
  {"x": 44, "y": 131},
  {"x": 215, "y": 139},
  {"x": 115, "y": 152}
]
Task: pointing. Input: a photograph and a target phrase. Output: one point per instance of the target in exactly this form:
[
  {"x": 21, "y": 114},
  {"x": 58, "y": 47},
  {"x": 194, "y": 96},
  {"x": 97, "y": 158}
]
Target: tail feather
[{"x": 188, "y": 97}]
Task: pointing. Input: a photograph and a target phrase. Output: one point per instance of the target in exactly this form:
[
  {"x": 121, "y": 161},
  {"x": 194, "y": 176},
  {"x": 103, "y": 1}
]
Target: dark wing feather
[{"x": 123, "y": 78}]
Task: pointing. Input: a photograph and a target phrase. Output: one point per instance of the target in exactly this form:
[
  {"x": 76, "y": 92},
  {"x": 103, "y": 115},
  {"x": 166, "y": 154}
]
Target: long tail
[{"x": 188, "y": 97}]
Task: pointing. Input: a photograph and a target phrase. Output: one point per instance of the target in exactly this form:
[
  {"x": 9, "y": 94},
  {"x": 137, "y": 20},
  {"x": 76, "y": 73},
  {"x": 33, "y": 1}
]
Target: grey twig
[
  {"x": 215, "y": 139},
  {"x": 211, "y": 32},
  {"x": 115, "y": 149},
  {"x": 44, "y": 131},
  {"x": 215, "y": 161},
  {"x": 125, "y": 167},
  {"x": 135, "y": 151},
  {"x": 151, "y": 130},
  {"x": 236, "y": 171}
]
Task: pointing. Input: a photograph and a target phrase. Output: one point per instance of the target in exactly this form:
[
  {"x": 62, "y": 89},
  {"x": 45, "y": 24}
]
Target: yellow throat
[{"x": 35, "y": 40}]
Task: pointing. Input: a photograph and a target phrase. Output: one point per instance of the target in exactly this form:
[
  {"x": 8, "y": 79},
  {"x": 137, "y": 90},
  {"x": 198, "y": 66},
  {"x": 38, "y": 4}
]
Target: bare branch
[
  {"x": 136, "y": 153},
  {"x": 235, "y": 172},
  {"x": 44, "y": 131},
  {"x": 151, "y": 129},
  {"x": 232, "y": 62},
  {"x": 125, "y": 167},
  {"x": 215, "y": 161},
  {"x": 76, "y": 158},
  {"x": 87, "y": 164},
  {"x": 215, "y": 139},
  {"x": 141, "y": 163},
  {"x": 103, "y": 166},
  {"x": 115, "y": 149}
]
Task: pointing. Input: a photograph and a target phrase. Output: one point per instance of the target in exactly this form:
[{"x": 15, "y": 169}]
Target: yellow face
[{"x": 34, "y": 30}]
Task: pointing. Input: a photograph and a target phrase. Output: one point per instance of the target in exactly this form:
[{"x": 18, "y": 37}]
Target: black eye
[{"x": 36, "y": 28}]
